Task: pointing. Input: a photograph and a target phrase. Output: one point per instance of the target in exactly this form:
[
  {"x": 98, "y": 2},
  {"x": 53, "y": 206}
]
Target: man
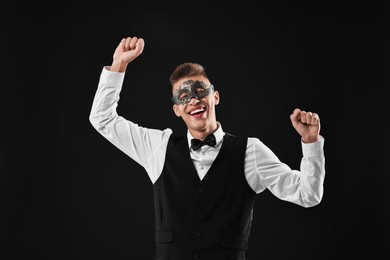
[{"x": 204, "y": 183}]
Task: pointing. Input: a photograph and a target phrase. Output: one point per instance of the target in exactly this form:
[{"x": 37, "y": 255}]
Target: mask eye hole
[
  {"x": 200, "y": 91},
  {"x": 183, "y": 96}
]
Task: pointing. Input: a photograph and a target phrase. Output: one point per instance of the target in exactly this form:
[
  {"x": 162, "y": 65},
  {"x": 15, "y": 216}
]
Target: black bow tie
[{"x": 209, "y": 140}]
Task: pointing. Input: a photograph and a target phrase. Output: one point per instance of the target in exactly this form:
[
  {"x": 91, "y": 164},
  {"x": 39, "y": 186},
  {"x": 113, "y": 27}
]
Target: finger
[
  {"x": 133, "y": 41},
  {"x": 309, "y": 115},
  {"x": 121, "y": 44},
  {"x": 303, "y": 116},
  {"x": 295, "y": 115},
  {"x": 315, "y": 119},
  {"x": 127, "y": 43},
  {"x": 139, "y": 46}
]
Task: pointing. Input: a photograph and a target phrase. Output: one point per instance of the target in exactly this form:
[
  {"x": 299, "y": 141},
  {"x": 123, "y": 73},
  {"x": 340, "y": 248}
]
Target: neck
[{"x": 202, "y": 134}]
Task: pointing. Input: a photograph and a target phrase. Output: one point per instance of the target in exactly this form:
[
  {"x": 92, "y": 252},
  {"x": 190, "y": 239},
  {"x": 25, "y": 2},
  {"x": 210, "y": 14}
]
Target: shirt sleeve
[
  {"x": 144, "y": 145},
  {"x": 304, "y": 187}
]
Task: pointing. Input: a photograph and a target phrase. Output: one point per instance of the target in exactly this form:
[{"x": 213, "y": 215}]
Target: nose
[{"x": 194, "y": 102}]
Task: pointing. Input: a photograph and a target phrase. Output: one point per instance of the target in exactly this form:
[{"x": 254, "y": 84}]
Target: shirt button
[
  {"x": 199, "y": 212},
  {"x": 197, "y": 234},
  {"x": 195, "y": 256},
  {"x": 201, "y": 190}
]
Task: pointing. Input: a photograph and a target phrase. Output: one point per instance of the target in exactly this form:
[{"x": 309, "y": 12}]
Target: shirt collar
[{"x": 218, "y": 135}]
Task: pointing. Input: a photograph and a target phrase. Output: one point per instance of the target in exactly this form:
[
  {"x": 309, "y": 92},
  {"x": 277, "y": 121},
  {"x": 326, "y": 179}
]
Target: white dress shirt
[{"x": 263, "y": 169}]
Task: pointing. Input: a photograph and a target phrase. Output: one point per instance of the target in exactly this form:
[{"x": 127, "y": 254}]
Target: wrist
[
  {"x": 308, "y": 140},
  {"x": 118, "y": 66}
]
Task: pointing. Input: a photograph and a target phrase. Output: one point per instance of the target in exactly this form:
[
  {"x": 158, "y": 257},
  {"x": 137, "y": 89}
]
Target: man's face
[{"x": 197, "y": 113}]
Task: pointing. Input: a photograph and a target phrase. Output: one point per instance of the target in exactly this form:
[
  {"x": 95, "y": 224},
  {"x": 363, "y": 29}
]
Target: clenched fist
[
  {"x": 307, "y": 125},
  {"x": 128, "y": 49}
]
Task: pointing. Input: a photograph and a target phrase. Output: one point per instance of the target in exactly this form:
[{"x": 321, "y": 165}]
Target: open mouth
[{"x": 197, "y": 112}]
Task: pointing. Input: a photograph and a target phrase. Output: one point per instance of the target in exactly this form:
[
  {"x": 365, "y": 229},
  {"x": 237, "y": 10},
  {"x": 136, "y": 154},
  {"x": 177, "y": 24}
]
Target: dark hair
[{"x": 187, "y": 69}]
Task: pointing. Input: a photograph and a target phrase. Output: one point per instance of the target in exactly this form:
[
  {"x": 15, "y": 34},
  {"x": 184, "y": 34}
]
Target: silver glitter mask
[{"x": 191, "y": 89}]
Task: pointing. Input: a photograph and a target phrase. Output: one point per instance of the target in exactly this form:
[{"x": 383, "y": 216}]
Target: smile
[{"x": 197, "y": 112}]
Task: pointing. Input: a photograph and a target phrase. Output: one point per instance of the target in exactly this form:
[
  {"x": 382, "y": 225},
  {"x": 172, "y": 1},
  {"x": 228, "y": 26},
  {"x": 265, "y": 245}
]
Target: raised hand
[
  {"x": 307, "y": 125},
  {"x": 127, "y": 50}
]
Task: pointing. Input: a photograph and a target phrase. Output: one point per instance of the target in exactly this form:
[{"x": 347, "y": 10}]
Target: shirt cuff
[
  {"x": 313, "y": 149},
  {"x": 112, "y": 77}
]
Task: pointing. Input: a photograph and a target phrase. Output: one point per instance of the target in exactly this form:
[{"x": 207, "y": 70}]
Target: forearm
[
  {"x": 305, "y": 187},
  {"x": 106, "y": 98},
  {"x": 122, "y": 133},
  {"x": 313, "y": 172}
]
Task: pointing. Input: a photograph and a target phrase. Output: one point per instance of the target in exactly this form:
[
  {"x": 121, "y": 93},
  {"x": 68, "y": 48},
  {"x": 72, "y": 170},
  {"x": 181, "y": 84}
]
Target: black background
[{"x": 67, "y": 193}]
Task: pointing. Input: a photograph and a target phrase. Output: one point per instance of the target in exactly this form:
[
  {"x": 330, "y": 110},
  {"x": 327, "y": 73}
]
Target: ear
[
  {"x": 216, "y": 97},
  {"x": 176, "y": 110}
]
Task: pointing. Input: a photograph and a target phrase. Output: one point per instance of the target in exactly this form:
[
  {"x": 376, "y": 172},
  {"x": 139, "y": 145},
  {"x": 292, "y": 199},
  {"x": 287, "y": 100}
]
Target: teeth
[{"x": 197, "y": 111}]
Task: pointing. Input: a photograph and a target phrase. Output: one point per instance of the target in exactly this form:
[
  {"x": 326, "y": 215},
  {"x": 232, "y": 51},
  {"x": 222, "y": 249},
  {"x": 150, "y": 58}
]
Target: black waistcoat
[{"x": 208, "y": 219}]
